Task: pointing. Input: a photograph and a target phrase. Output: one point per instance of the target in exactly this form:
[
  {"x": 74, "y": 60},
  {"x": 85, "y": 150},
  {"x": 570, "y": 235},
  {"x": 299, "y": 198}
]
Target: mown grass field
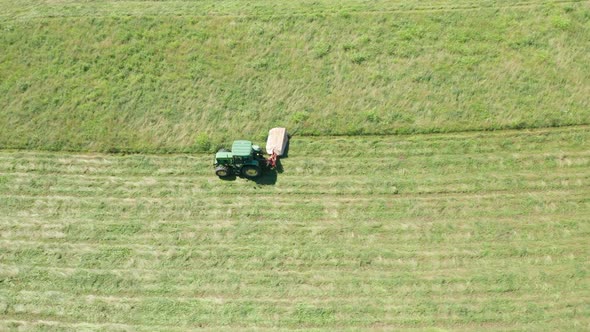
[
  {"x": 185, "y": 76},
  {"x": 408, "y": 201},
  {"x": 465, "y": 231}
]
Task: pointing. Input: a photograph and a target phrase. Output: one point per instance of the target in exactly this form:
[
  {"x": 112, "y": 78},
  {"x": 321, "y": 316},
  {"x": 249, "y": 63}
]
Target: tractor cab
[{"x": 242, "y": 151}]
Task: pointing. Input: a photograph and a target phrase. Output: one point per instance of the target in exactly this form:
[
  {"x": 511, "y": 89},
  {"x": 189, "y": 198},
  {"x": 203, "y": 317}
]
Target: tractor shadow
[
  {"x": 279, "y": 166},
  {"x": 286, "y": 152},
  {"x": 229, "y": 178},
  {"x": 268, "y": 178}
]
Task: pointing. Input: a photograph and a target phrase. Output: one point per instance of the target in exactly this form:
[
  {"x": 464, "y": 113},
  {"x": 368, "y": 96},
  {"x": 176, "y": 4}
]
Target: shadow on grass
[
  {"x": 286, "y": 151},
  {"x": 228, "y": 178},
  {"x": 268, "y": 177}
]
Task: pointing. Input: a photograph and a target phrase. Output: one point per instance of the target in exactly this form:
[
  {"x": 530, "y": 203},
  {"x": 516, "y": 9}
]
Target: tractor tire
[
  {"x": 222, "y": 171},
  {"x": 250, "y": 171}
]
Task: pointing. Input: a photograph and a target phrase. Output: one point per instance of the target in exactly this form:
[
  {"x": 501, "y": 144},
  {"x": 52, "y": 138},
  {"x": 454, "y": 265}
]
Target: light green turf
[
  {"x": 173, "y": 76},
  {"x": 451, "y": 231}
]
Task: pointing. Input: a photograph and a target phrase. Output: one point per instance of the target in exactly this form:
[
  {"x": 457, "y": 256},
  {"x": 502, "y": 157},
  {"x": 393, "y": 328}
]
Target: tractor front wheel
[
  {"x": 222, "y": 171},
  {"x": 250, "y": 171}
]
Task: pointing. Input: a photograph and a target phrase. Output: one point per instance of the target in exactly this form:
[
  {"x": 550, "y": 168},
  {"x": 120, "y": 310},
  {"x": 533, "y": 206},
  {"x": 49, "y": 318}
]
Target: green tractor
[{"x": 244, "y": 159}]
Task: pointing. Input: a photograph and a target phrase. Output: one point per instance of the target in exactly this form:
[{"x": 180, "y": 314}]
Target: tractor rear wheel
[
  {"x": 222, "y": 171},
  {"x": 250, "y": 171}
]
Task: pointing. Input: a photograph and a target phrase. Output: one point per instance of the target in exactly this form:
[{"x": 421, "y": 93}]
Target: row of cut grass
[{"x": 496, "y": 239}]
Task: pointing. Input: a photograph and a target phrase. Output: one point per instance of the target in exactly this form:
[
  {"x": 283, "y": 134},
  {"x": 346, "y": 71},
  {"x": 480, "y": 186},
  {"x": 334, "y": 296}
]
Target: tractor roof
[
  {"x": 223, "y": 155},
  {"x": 241, "y": 148}
]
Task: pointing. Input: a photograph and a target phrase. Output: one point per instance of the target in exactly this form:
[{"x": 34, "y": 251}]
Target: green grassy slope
[
  {"x": 165, "y": 76},
  {"x": 458, "y": 231}
]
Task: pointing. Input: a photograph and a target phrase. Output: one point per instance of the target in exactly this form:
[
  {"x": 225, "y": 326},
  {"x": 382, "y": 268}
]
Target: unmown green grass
[
  {"x": 465, "y": 231},
  {"x": 180, "y": 76}
]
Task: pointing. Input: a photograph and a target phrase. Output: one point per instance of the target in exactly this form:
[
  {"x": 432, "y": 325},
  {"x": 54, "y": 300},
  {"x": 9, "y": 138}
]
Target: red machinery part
[{"x": 272, "y": 160}]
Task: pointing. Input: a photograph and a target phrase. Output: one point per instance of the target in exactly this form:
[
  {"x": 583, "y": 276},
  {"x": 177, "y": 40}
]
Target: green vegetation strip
[
  {"x": 186, "y": 76},
  {"x": 460, "y": 231},
  {"x": 32, "y": 9}
]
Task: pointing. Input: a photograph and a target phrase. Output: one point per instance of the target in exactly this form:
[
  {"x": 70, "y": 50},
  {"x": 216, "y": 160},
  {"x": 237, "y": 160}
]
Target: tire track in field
[
  {"x": 213, "y": 224},
  {"x": 399, "y": 184},
  {"x": 14, "y": 164},
  {"x": 331, "y": 12},
  {"x": 205, "y": 252},
  {"x": 492, "y": 323},
  {"x": 386, "y": 304},
  {"x": 400, "y": 171},
  {"x": 336, "y": 194},
  {"x": 284, "y": 300},
  {"x": 184, "y": 276},
  {"x": 150, "y": 250},
  {"x": 457, "y": 278}
]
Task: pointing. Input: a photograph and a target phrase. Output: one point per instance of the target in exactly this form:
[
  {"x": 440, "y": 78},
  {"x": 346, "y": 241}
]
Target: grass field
[
  {"x": 438, "y": 176},
  {"x": 460, "y": 231},
  {"x": 184, "y": 76}
]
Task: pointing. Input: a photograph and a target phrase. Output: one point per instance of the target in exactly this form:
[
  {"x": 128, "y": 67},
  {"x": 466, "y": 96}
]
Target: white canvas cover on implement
[{"x": 277, "y": 141}]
